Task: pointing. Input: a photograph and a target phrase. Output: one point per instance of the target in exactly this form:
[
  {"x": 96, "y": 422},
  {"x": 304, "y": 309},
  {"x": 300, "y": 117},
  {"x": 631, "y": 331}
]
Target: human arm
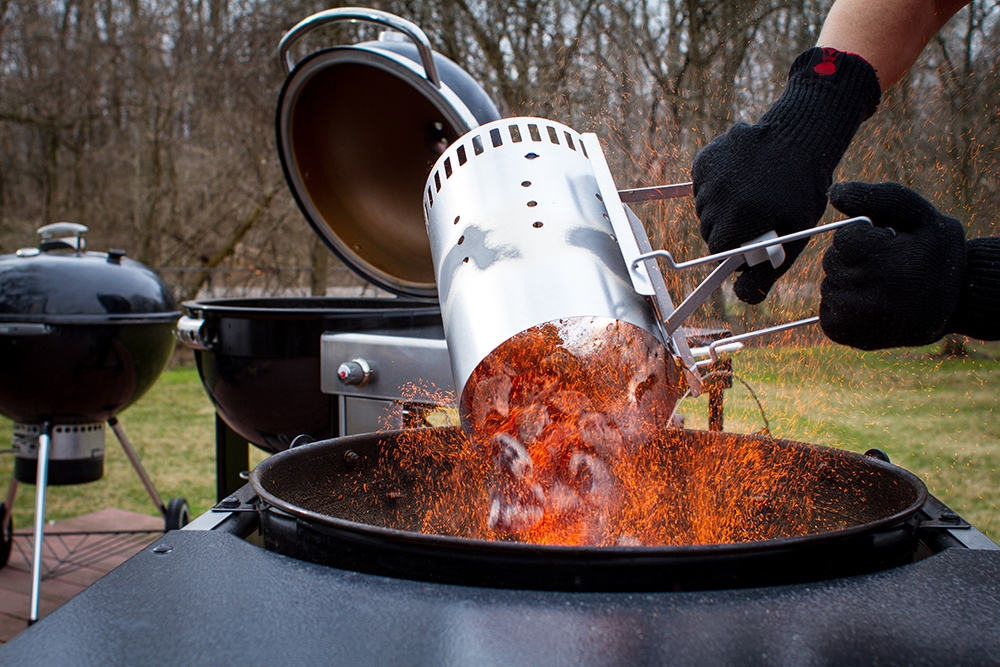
[
  {"x": 775, "y": 174},
  {"x": 889, "y": 34}
]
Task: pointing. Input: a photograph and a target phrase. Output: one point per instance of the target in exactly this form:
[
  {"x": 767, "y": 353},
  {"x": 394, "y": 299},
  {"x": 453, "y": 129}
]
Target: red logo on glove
[{"x": 828, "y": 63}]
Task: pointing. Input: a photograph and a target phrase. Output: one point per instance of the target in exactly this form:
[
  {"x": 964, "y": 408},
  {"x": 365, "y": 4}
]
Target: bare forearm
[{"x": 889, "y": 34}]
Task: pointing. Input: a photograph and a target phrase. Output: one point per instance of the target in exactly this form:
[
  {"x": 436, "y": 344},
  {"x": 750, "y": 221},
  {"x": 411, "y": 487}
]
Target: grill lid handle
[
  {"x": 63, "y": 235},
  {"x": 365, "y": 15}
]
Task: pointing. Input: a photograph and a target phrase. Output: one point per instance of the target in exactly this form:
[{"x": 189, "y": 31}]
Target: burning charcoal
[
  {"x": 531, "y": 421},
  {"x": 536, "y": 390},
  {"x": 643, "y": 386},
  {"x": 491, "y": 401},
  {"x": 514, "y": 518},
  {"x": 600, "y": 434},
  {"x": 591, "y": 478},
  {"x": 516, "y": 502},
  {"x": 566, "y": 366},
  {"x": 646, "y": 410},
  {"x": 552, "y": 452},
  {"x": 513, "y": 459},
  {"x": 551, "y": 410},
  {"x": 561, "y": 499},
  {"x": 569, "y": 403}
]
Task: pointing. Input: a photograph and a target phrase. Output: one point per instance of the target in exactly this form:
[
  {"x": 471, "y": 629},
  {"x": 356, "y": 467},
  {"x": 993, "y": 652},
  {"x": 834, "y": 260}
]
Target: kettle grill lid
[
  {"x": 60, "y": 283},
  {"x": 359, "y": 129}
]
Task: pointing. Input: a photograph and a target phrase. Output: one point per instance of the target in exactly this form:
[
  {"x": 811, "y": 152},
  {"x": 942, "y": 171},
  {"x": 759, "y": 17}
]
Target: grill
[
  {"x": 83, "y": 335},
  {"x": 356, "y": 503},
  {"x": 375, "y": 547},
  {"x": 357, "y": 129}
]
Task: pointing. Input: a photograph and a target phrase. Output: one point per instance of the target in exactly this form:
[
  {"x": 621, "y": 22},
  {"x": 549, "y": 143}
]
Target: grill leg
[
  {"x": 232, "y": 456},
  {"x": 41, "y": 481},
  {"x": 137, "y": 464},
  {"x": 719, "y": 378},
  {"x": 9, "y": 503}
]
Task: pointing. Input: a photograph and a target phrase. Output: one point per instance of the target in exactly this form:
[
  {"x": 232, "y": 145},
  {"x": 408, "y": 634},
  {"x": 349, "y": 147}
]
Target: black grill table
[{"x": 211, "y": 598}]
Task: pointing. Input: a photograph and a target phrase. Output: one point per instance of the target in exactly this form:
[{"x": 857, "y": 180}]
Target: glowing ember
[
  {"x": 555, "y": 408},
  {"x": 569, "y": 446},
  {"x": 681, "y": 488}
]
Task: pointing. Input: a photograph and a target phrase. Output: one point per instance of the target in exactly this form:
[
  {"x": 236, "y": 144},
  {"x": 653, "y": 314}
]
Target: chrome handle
[
  {"x": 355, "y": 15},
  {"x": 24, "y": 329},
  {"x": 734, "y": 343},
  {"x": 62, "y": 229},
  {"x": 189, "y": 332},
  {"x": 752, "y": 253},
  {"x": 63, "y": 235}
]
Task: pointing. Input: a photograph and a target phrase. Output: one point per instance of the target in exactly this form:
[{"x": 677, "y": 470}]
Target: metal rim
[{"x": 95, "y": 320}]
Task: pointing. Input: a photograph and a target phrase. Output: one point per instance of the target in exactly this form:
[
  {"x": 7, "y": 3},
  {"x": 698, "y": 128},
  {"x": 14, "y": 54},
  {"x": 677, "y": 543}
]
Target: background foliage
[{"x": 151, "y": 121}]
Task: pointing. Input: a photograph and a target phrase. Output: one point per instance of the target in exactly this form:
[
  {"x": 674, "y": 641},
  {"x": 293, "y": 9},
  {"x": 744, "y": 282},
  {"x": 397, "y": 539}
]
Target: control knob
[{"x": 354, "y": 372}]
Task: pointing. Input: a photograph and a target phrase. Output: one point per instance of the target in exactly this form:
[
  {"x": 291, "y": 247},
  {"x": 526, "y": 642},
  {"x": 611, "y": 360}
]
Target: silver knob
[{"x": 354, "y": 372}]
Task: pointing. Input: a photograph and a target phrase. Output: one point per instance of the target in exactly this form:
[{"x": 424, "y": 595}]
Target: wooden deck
[{"x": 78, "y": 552}]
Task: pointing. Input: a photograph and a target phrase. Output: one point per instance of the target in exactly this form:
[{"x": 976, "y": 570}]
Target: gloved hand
[
  {"x": 775, "y": 174},
  {"x": 894, "y": 284}
]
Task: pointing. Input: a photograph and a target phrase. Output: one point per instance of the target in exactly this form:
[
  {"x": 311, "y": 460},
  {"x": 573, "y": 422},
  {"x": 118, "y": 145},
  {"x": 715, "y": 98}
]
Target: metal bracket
[
  {"x": 235, "y": 504},
  {"x": 634, "y": 244},
  {"x": 764, "y": 248},
  {"x": 190, "y": 332},
  {"x": 664, "y": 308}
]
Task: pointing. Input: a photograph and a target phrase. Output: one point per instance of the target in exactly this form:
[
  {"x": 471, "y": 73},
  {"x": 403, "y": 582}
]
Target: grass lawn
[
  {"x": 172, "y": 428},
  {"x": 939, "y": 418}
]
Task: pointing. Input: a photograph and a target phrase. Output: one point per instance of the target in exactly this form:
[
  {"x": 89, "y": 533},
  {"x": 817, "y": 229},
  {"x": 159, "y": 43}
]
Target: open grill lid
[
  {"x": 60, "y": 283},
  {"x": 358, "y": 129}
]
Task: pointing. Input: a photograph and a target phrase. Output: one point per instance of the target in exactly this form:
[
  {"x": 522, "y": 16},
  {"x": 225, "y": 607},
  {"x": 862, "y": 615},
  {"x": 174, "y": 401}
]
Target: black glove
[
  {"x": 977, "y": 313},
  {"x": 775, "y": 174},
  {"x": 894, "y": 284}
]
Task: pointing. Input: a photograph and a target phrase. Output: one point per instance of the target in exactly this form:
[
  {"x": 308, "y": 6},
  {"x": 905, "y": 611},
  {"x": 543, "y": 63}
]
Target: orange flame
[{"x": 569, "y": 445}]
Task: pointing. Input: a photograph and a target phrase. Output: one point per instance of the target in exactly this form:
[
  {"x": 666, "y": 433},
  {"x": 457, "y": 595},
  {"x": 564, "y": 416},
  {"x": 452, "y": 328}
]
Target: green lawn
[
  {"x": 936, "y": 417},
  {"x": 172, "y": 428}
]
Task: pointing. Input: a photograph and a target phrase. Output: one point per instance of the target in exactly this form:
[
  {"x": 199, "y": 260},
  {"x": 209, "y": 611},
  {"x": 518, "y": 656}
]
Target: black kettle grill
[{"x": 83, "y": 335}]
